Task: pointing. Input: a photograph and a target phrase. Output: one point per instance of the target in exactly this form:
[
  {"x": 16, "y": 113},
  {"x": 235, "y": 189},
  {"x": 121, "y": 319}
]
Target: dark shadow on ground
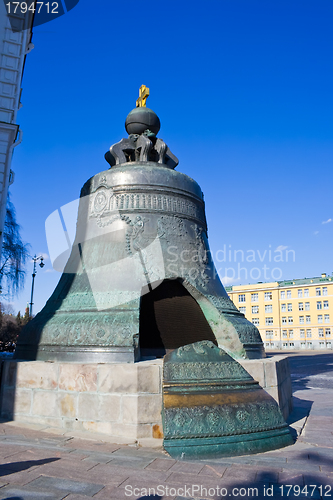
[
  {"x": 151, "y": 497},
  {"x": 301, "y": 409},
  {"x": 303, "y": 366},
  {"x": 13, "y": 467},
  {"x": 14, "y": 498}
]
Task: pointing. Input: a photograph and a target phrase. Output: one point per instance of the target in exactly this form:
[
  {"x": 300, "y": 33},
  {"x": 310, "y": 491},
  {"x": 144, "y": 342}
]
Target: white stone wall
[
  {"x": 273, "y": 374},
  {"x": 13, "y": 49},
  {"x": 122, "y": 399}
]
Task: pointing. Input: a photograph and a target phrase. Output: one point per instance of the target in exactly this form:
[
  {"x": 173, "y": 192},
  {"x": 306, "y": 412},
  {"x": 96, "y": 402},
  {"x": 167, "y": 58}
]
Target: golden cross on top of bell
[{"x": 143, "y": 94}]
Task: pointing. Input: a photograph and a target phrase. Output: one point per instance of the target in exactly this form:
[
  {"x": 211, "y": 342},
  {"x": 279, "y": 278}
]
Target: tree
[
  {"x": 14, "y": 255},
  {"x": 9, "y": 330}
]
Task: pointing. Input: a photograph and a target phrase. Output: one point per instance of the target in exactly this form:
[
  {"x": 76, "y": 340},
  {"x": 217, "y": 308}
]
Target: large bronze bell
[
  {"x": 139, "y": 281},
  {"x": 139, "y": 278}
]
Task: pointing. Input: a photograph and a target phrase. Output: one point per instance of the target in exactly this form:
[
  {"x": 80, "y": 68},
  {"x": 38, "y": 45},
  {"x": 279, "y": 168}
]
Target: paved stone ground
[{"x": 40, "y": 465}]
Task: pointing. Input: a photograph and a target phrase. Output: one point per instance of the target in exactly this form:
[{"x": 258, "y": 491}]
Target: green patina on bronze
[{"x": 212, "y": 407}]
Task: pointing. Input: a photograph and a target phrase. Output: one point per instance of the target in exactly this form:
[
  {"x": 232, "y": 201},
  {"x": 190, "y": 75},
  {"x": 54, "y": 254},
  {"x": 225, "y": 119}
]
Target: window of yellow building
[
  {"x": 282, "y": 294},
  {"x": 327, "y": 332},
  {"x": 290, "y": 320},
  {"x": 307, "y": 306},
  {"x": 318, "y": 292},
  {"x": 269, "y": 308},
  {"x": 308, "y": 319},
  {"x": 324, "y": 290},
  {"x": 255, "y": 309},
  {"x": 320, "y": 332},
  {"x": 302, "y": 333},
  {"x": 283, "y": 307},
  {"x": 306, "y": 292},
  {"x": 241, "y": 297},
  {"x": 284, "y": 320},
  {"x": 325, "y": 304},
  {"x": 327, "y": 318},
  {"x": 320, "y": 318},
  {"x": 268, "y": 321},
  {"x": 300, "y": 306},
  {"x": 291, "y": 334},
  {"x": 289, "y": 307},
  {"x": 301, "y": 320},
  {"x": 288, "y": 294},
  {"x": 255, "y": 321},
  {"x": 319, "y": 305},
  {"x": 300, "y": 293},
  {"x": 268, "y": 296},
  {"x": 309, "y": 333},
  {"x": 254, "y": 297},
  {"x": 284, "y": 334}
]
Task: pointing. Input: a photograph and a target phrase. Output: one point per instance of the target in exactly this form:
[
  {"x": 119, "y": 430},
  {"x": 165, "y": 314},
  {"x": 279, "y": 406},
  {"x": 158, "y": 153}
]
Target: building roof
[{"x": 286, "y": 283}]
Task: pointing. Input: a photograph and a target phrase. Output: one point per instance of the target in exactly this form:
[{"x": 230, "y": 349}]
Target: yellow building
[{"x": 295, "y": 314}]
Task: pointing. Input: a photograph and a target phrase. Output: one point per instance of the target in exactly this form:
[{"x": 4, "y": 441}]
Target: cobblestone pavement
[{"x": 36, "y": 464}]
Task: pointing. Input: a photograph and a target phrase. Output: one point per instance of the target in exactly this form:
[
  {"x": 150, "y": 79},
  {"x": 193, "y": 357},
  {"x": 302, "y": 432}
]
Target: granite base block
[
  {"x": 273, "y": 374},
  {"x": 123, "y": 399},
  {"x": 116, "y": 399}
]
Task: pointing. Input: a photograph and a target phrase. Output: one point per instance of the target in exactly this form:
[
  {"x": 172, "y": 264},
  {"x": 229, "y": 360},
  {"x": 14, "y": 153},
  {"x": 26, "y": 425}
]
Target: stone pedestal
[
  {"x": 123, "y": 400},
  {"x": 273, "y": 374}
]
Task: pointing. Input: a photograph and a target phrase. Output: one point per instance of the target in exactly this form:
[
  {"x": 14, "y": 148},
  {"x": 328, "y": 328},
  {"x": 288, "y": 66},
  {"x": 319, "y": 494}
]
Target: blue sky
[{"x": 243, "y": 90}]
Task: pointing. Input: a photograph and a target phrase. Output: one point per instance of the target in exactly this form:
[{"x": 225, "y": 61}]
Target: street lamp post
[{"x": 34, "y": 272}]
